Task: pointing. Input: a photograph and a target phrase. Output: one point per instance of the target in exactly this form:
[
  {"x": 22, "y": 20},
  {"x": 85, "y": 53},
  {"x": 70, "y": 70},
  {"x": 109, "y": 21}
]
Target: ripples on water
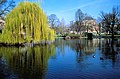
[{"x": 66, "y": 59}]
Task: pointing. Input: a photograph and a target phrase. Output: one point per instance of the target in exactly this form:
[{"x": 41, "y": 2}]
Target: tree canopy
[
  {"x": 53, "y": 20},
  {"x": 110, "y": 21},
  {"x": 25, "y": 23}
]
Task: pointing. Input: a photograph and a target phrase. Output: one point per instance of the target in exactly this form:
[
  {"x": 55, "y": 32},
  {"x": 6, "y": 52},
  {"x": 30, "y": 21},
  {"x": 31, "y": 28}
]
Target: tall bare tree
[
  {"x": 111, "y": 21},
  {"x": 79, "y": 17}
]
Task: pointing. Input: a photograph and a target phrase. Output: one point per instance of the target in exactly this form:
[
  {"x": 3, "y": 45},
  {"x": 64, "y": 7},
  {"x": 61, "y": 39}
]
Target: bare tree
[
  {"x": 72, "y": 26},
  {"x": 110, "y": 21},
  {"x": 61, "y": 29},
  {"x": 53, "y": 20},
  {"x": 79, "y": 16},
  {"x": 6, "y": 6}
]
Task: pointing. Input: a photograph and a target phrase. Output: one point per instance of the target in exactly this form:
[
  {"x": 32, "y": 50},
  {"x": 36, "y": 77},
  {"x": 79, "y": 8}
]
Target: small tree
[
  {"x": 61, "y": 27},
  {"x": 53, "y": 20}
]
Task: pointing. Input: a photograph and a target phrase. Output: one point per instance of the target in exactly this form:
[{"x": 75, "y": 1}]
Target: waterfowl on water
[
  {"x": 93, "y": 56},
  {"x": 101, "y": 58}
]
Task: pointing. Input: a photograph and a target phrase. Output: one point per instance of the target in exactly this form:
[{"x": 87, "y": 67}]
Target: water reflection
[
  {"x": 65, "y": 59},
  {"x": 26, "y": 63},
  {"x": 82, "y": 47},
  {"x": 110, "y": 52}
]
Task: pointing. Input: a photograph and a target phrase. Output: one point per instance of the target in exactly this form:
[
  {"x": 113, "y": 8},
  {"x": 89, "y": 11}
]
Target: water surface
[{"x": 65, "y": 59}]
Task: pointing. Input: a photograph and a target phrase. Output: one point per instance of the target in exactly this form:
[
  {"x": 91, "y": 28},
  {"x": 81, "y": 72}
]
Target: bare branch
[{"x": 6, "y": 6}]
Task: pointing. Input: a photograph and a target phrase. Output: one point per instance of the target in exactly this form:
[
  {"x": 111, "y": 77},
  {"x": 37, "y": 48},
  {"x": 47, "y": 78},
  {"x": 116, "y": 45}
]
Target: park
[{"x": 38, "y": 45}]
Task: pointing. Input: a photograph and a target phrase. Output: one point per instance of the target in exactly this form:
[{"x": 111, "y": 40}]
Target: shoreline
[{"x": 26, "y": 44}]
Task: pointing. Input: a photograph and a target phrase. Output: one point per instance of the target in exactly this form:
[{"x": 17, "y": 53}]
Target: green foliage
[{"x": 25, "y": 23}]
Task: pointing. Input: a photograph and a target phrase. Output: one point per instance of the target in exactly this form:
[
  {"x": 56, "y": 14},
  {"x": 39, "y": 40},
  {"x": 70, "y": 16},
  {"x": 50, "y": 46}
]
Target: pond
[{"x": 65, "y": 59}]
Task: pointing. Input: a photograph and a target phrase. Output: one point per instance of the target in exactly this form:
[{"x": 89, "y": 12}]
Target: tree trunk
[
  {"x": 112, "y": 33},
  {"x": 112, "y": 28}
]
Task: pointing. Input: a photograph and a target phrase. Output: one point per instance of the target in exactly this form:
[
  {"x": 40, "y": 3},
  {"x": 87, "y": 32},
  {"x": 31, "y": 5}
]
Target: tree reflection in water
[
  {"x": 27, "y": 63},
  {"x": 82, "y": 47},
  {"x": 110, "y": 52},
  {"x": 85, "y": 48},
  {"x": 79, "y": 54}
]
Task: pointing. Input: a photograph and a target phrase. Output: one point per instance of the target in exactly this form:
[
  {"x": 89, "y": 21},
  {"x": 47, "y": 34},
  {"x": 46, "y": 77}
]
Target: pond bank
[
  {"x": 78, "y": 36},
  {"x": 32, "y": 44}
]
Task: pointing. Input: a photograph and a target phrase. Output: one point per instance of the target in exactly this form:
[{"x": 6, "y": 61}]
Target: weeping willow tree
[{"x": 25, "y": 23}]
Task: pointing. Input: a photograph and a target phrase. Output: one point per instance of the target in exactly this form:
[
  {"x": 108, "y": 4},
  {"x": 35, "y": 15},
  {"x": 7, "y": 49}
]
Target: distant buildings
[
  {"x": 91, "y": 26},
  {"x": 88, "y": 26}
]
